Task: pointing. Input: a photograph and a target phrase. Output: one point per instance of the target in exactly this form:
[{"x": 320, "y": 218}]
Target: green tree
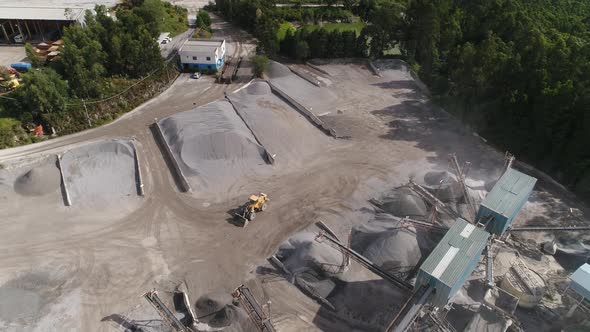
[
  {"x": 302, "y": 50},
  {"x": 43, "y": 91},
  {"x": 83, "y": 59},
  {"x": 35, "y": 59},
  {"x": 259, "y": 65}
]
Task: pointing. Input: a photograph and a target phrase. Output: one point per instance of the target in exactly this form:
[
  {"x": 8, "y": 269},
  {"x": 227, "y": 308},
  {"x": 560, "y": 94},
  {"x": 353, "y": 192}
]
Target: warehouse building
[
  {"x": 452, "y": 261},
  {"x": 21, "y": 24},
  {"x": 202, "y": 54},
  {"x": 503, "y": 203}
]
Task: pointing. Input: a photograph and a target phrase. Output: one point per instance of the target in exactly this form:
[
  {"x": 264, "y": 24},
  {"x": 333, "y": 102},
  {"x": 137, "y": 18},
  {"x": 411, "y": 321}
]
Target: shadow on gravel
[
  {"x": 233, "y": 219},
  {"x": 166, "y": 156}
]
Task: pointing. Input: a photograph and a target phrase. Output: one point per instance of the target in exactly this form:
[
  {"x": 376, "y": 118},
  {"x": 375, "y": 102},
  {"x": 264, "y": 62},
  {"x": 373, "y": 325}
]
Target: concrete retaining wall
[
  {"x": 138, "y": 177},
  {"x": 317, "y": 68},
  {"x": 268, "y": 156},
  {"x": 185, "y": 186},
  {"x": 64, "y": 186},
  {"x": 303, "y": 110},
  {"x": 305, "y": 76},
  {"x": 373, "y": 69}
]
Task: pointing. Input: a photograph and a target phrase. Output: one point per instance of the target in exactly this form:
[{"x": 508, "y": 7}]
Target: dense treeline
[
  {"x": 320, "y": 43},
  {"x": 97, "y": 60},
  {"x": 517, "y": 70}
]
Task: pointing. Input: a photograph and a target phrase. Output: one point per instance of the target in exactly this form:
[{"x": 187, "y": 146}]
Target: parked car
[{"x": 196, "y": 75}]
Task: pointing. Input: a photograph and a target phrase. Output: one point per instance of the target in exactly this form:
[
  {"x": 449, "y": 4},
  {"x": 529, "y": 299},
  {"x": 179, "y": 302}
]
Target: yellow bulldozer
[{"x": 256, "y": 203}]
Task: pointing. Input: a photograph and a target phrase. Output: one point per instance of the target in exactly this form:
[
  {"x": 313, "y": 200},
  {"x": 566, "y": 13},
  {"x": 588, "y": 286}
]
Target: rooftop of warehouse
[
  {"x": 454, "y": 252},
  {"x": 509, "y": 192},
  {"x": 41, "y": 13},
  {"x": 581, "y": 281}
]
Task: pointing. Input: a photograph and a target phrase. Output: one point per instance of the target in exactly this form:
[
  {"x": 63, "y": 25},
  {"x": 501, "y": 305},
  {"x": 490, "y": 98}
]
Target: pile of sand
[
  {"x": 216, "y": 310},
  {"x": 317, "y": 100},
  {"x": 38, "y": 181},
  {"x": 435, "y": 178},
  {"x": 100, "y": 173},
  {"x": 302, "y": 252},
  {"x": 277, "y": 70},
  {"x": 391, "y": 244},
  {"x": 280, "y": 128},
  {"x": 403, "y": 202},
  {"x": 212, "y": 145}
]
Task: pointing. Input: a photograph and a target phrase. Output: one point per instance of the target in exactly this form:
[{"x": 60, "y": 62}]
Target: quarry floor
[{"x": 92, "y": 270}]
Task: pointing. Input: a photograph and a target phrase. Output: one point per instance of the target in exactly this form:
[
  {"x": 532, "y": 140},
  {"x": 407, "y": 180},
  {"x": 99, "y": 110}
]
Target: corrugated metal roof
[
  {"x": 581, "y": 281},
  {"x": 201, "y": 45},
  {"x": 510, "y": 191},
  {"x": 41, "y": 13},
  {"x": 466, "y": 249}
]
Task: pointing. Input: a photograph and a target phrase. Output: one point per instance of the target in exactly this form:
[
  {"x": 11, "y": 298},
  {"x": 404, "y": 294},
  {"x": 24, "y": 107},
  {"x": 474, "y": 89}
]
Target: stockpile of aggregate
[
  {"x": 216, "y": 310},
  {"x": 302, "y": 252},
  {"x": 212, "y": 145},
  {"x": 392, "y": 245},
  {"x": 403, "y": 202},
  {"x": 40, "y": 180},
  {"x": 100, "y": 173},
  {"x": 316, "y": 99},
  {"x": 280, "y": 128}
]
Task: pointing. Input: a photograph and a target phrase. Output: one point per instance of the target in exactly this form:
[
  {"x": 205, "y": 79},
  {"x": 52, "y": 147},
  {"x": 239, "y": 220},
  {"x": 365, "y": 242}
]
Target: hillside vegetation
[{"x": 102, "y": 59}]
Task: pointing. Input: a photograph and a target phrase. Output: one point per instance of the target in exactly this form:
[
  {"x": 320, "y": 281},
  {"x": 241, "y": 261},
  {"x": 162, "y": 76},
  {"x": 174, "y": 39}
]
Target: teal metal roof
[
  {"x": 509, "y": 193},
  {"x": 452, "y": 255},
  {"x": 581, "y": 281}
]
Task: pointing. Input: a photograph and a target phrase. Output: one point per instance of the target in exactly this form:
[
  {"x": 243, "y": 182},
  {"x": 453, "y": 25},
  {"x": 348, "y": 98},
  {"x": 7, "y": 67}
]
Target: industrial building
[
  {"x": 503, "y": 203},
  {"x": 22, "y": 24},
  {"x": 452, "y": 261},
  {"x": 580, "y": 281},
  {"x": 202, "y": 54}
]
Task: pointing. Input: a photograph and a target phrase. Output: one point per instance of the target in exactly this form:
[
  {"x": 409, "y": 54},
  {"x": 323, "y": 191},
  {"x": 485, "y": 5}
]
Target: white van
[{"x": 18, "y": 38}]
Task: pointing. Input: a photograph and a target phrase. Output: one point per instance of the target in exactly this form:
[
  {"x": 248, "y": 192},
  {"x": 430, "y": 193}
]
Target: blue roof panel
[{"x": 509, "y": 193}]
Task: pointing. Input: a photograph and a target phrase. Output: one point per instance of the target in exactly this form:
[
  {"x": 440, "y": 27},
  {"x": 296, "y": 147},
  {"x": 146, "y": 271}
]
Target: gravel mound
[
  {"x": 276, "y": 70},
  {"x": 216, "y": 309},
  {"x": 212, "y": 144},
  {"x": 391, "y": 244},
  {"x": 302, "y": 252},
  {"x": 100, "y": 173},
  {"x": 315, "y": 99},
  {"x": 280, "y": 128},
  {"x": 258, "y": 88},
  {"x": 39, "y": 181},
  {"x": 434, "y": 178},
  {"x": 403, "y": 202}
]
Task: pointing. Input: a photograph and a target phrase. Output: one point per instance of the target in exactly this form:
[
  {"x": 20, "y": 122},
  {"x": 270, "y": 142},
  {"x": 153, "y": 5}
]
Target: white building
[{"x": 202, "y": 54}]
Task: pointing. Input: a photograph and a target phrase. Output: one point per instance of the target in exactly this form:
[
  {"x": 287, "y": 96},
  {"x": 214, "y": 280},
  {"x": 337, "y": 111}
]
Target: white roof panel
[{"x": 41, "y": 13}]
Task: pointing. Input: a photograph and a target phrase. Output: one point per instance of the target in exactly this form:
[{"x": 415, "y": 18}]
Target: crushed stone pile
[
  {"x": 302, "y": 252},
  {"x": 403, "y": 202},
  {"x": 216, "y": 310},
  {"x": 40, "y": 180},
  {"x": 392, "y": 245},
  {"x": 212, "y": 145},
  {"x": 100, "y": 173},
  {"x": 435, "y": 178},
  {"x": 317, "y": 100},
  {"x": 281, "y": 129}
]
